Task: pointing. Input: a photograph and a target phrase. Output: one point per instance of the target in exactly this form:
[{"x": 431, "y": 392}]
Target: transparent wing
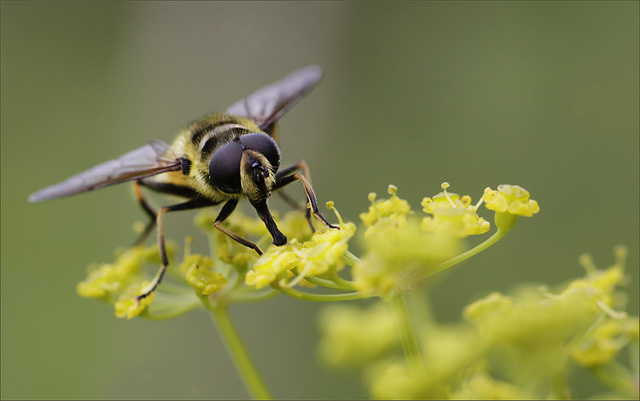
[
  {"x": 146, "y": 161},
  {"x": 267, "y": 105}
]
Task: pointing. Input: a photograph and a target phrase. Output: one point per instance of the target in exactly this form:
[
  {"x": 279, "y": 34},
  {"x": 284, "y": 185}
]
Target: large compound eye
[
  {"x": 262, "y": 143},
  {"x": 224, "y": 168}
]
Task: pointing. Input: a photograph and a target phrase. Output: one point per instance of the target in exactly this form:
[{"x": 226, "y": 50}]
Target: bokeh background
[{"x": 540, "y": 94}]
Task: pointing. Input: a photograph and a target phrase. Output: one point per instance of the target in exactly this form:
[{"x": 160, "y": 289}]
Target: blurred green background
[{"x": 539, "y": 94}]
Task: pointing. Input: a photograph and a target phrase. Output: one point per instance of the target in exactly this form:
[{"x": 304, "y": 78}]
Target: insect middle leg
[
  {"x": 160, "y": 187},
  {"x": 284, "y": 177}
]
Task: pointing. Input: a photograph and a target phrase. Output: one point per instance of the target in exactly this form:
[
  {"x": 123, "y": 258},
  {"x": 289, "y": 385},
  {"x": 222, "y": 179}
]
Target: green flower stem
[
  {"x": 244, "y": 365},
  {"x": 466, "y": 255},
  {"x": 617, "y": 377},
  {"x": 559, "y": 388},
  {"x": 305, "y": 296},
  {"x": 335, "y": 282},
  {"x": 350, "y": 258},
  {"x": 323, "y": 282},
  {"x": 171, "y": 305},
  {"x": 420, "y": 306},
  {"x": 251, "y": 296},
  {"x": 407, "y": 334},
  {"x": 634, "y": 350},
  {"x": 346, "y": 284}
]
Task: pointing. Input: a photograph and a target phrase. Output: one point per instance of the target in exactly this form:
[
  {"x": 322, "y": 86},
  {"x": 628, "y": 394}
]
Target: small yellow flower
[
  {"x": 394, "y": 208},
  {"x": 273, "y": 263},
  {"x": 509, "y": 202},
  {"x": 461, "y": 222},
  {"x": 128, "y": 304},
  {"x": 454, "y": 214},
  {"x": 445, "y": 200},
  {"x": 197, "y": 269},
  {"x": 510, "y": 199}
]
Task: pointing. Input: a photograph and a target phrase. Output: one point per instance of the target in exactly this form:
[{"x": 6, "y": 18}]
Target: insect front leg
[
  {"x": 287, "y": 198},
  {"x": 227, "y": 209},
  {"x": 283, "y": 178},
  {"x": 189, "y": 205},
  {"x": 265, "y": 215}
]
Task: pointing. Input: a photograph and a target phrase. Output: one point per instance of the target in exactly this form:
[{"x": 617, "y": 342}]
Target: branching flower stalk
[{"x": 400, "y": 250}]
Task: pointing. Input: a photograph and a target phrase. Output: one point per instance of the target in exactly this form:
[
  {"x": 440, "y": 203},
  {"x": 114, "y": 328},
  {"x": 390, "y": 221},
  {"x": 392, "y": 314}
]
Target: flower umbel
[
  {"x": 401, "y": 249},
  {"x": 510, "y": 346}
]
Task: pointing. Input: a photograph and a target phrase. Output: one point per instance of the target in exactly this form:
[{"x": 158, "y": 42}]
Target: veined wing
[
  {"x": 146, "y": 161},
  {"x": 267, "y": 105}
]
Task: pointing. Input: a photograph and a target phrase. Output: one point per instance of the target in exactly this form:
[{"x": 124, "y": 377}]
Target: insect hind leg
[{"x": 142, "y": 201}]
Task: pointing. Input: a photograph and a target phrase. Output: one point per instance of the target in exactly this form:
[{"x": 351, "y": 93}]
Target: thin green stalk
[
  {"x": 407, "y": 334},
  {"x": 326, "y": 283},
  {"x": 344, "y": 283},
  {"x": 466, "y": 255},
  {"x": 419, "y": 306},
  {"x": 244, "y": 365},
  {"x": 305, "y": 296},
  {"x": 618, "y": 378},
  {"x": 251, "y": 296},
  {"x": 350, "y": 259},
  {"x": 336, "y": 282}
]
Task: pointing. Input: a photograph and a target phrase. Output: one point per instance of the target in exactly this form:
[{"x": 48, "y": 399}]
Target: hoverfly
[{"x": 220, "y": 158}]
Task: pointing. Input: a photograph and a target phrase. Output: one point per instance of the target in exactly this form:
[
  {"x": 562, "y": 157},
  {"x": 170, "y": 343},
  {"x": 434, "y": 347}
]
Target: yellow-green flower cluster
[
  {"x": 399, "y": 250},
  {"x": 385, "y": 212},
  {"x": 119, "y": 283},
  {"x": 198, "y": 271},
  {"x": 613, "y": 330},
  {"x": 322, "y": 253},
  {"x": 510, "y": 346},
  {"x": 538, "y": 329},
  {"x": 128, "y": 305}
]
